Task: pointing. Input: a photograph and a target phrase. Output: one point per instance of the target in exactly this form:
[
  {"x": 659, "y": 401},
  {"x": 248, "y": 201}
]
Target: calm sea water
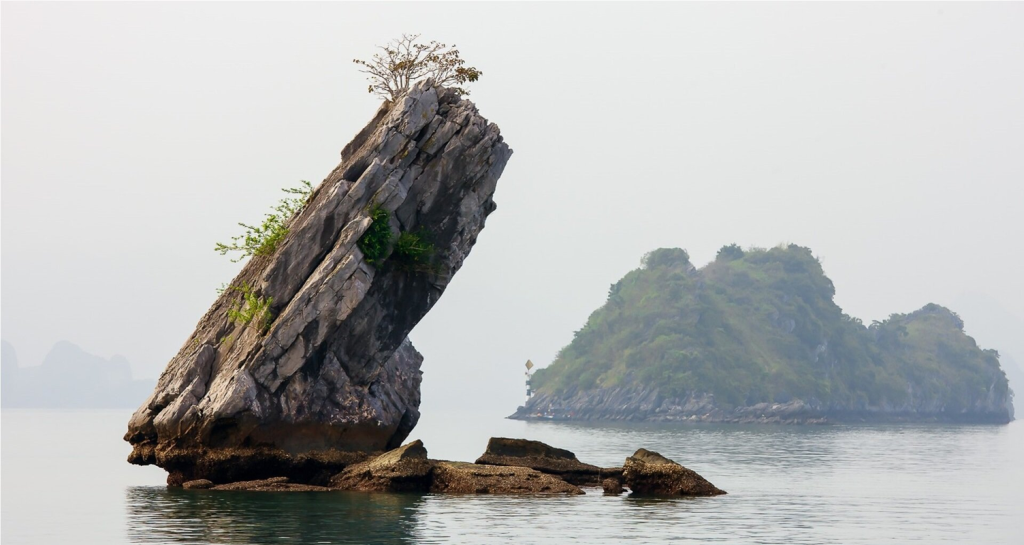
[{"x": 64, "y": 480}]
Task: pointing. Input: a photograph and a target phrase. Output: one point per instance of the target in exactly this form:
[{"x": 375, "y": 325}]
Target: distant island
[
  {"x": 70, "y": 378},
  {"x": 755, "y": 336}
]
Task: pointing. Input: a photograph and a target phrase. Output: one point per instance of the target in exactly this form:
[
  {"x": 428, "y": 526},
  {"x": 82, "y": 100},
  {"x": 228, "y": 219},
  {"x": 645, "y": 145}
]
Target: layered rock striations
[
  {"x": 502, "y": 451},
  {"x": 332, "y": 374}
]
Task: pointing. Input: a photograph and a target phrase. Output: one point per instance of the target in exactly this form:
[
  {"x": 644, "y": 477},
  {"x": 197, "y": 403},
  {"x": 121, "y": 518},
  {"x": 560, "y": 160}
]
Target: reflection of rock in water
[{"x": 172, "y": 515}]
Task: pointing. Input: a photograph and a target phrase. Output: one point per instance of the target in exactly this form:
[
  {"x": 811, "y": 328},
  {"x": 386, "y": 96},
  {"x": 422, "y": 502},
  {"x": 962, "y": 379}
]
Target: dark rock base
[
  {"x": 222, "y": 466},
  {"x": 408, "y": 469}
]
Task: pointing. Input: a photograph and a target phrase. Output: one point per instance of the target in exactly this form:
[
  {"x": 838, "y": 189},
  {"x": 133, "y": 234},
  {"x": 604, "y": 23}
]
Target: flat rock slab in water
[
  {"x": 502, "y": 451},
  {"x": 467, "y": 478},
  {"x": 275, "y": 484},
  {"x": 408, "y": 469}
]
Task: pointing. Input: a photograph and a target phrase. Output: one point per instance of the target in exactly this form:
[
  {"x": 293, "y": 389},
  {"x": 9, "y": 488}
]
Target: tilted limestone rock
[
  {"x": 333, "y": 374},
  {"x": 648, "y": 473}
]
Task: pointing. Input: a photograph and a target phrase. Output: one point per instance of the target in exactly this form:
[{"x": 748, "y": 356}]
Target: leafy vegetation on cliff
[
  {"x": 412, "y": 251},
  {"x": 263, "y": 239},
  {"x": 761, "y": 326},
  {"x": 377, "y": 239}
]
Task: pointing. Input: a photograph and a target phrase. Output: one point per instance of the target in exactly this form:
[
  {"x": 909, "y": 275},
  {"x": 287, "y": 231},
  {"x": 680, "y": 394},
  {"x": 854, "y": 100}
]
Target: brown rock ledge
[
  {"x": 648, "y": 473},
  {"x": 542, "y": 457},
  {"x": 276, "y": 484},
  {"x": 467, "y": 478},
  {"x": 404, "y": 469},
  {"x": 408, "y": 469},
  {"x": 246, "y": 464}
]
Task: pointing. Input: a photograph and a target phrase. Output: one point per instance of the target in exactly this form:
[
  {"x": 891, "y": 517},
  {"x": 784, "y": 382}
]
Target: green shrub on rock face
[
  {"x": 376, "y": 241},
  {"x": 251, "y": 309},
  {"x": 263, "y": 239},
  {"x": 411, "y": 251},
  {"x": 414, "y": 251}
]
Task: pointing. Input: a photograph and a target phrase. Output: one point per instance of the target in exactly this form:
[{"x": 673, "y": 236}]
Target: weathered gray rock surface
[{"x": 333, "y": 375}]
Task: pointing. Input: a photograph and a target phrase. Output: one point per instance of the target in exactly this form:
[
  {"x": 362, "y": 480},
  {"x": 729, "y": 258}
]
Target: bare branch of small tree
[{"x": 405, "y": 61}]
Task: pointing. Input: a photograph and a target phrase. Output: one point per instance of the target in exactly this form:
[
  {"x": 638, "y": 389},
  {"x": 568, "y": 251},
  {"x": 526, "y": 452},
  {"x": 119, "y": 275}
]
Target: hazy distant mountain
[{"x": 70, "y": 377}]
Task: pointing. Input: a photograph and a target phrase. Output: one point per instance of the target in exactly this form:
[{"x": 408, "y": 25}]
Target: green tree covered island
[{"x": 755, "y": 336}]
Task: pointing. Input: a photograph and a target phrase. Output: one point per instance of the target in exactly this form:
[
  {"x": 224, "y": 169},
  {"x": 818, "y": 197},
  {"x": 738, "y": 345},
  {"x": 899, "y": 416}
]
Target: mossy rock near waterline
[
  {"x": 331, "y": 375},
  {"x": 755, "y": 336}
]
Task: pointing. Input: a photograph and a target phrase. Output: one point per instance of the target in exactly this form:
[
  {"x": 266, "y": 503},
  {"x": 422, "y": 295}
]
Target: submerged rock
[
  {"x": 332, "y": 374},
  {"x": 612, "y": 487},
  {"x": 648, "y": 473},
  {"x": 275, "y": 484},
  {"x": 502, "y": 451}
]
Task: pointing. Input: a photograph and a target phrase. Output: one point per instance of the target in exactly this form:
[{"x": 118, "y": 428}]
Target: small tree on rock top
[{"x": 405, "y": 61}]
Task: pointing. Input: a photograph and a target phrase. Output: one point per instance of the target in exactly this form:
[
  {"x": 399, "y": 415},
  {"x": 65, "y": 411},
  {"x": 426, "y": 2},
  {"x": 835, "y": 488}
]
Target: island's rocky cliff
[
  {"x": 755, "y": 336},
  {"x": 332, "y": 374}
]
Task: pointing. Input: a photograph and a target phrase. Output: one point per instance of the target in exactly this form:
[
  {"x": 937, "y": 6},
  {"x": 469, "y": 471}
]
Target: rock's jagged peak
[{"x": 333, "y": 369}]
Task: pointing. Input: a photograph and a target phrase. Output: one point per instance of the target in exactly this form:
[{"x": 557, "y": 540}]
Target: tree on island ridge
[{"x": 404, "y": 62}]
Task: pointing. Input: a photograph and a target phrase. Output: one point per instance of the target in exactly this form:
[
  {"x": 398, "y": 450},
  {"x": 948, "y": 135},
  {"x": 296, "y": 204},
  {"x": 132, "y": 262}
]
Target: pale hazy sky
[{"x": 889, "y": 138}]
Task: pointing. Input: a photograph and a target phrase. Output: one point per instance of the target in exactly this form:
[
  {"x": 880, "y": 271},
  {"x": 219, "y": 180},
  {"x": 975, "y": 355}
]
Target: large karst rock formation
[{"x": 334, "y": 373}]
